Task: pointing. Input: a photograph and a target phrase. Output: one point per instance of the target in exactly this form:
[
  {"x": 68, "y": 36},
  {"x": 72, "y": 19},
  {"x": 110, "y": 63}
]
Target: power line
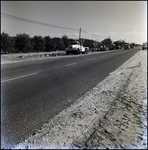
[
  {"x": 35, "y": 22},
  {"x": 44, "y": 24},
  {"x": 92, "y": 33}
]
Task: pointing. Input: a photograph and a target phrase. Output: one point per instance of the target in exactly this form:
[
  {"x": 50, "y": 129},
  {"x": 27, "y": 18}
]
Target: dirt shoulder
[
  {"x": 22, "y": 57},
  {"x": 111, "y": 115}
]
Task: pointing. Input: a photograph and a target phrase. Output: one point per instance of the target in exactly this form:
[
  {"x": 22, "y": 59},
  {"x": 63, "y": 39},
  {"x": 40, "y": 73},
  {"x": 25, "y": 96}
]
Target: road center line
[
  {"x": 92, "y": 58},
  {"x": 19, "y": 77},
  {"x": 70, "y": 64}
]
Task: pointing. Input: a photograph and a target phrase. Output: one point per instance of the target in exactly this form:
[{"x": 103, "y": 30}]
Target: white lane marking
[
  {"x": 19, "y": 77},
  {"x": 92, "y": 58},
  {"x": 70, "y": 64}
]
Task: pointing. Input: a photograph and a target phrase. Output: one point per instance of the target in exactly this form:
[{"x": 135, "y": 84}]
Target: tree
[
  {"x": 107, "y": 42},
  {"x": 119, "y": 43},
  {"x": 31, "y": 44},
  {"x": 57, "y": 43},
  {"x": 65, "y": 42},
  {"x": 38, "y": 43},
  {"x": 88, "y": 43},
  {"x": 12, "y": 44},
  {"x": 48, "y": 43},
  {"x": 7, "y": 43},
  {"x": 22, "y": 42}
]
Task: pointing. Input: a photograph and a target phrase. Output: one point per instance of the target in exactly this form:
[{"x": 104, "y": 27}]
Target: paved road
[{"x": 33, "y": 92}]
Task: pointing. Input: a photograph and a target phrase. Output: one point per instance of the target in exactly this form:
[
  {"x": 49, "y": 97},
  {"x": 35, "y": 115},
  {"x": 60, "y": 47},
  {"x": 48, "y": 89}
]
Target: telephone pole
[
  {"x": 80, "y": 34},
  {"x": 80, "y": 39}
]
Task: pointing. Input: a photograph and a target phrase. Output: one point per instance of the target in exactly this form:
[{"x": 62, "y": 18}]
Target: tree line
[{"x": 23, "y": 43}]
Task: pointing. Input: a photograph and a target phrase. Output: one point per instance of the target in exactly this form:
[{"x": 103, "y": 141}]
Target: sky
[{"x": 98, "y": 20}]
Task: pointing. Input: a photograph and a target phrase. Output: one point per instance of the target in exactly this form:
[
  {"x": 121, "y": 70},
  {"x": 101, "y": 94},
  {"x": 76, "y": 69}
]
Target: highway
[{"x": 33, "y": 92}]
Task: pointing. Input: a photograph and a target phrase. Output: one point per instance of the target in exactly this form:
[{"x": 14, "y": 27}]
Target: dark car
[
  {"x": 103, "y": 48},
  {"x": 126, "y": 46},
  {"x": 112, "y": 47},
  {"x": 118, "y": 47},
  {"x": 144, "y": 46}
]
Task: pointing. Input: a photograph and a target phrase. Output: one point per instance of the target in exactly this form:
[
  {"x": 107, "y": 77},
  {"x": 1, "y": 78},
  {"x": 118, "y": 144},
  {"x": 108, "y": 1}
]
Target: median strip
[{"x": 18, "y": 77}]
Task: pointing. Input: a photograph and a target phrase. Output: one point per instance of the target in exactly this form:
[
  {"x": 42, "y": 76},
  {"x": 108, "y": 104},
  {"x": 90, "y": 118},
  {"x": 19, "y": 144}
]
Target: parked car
[
  {"x": 144, "y": 46},
  {"x": 93, "y": 49},
  {"x": 118, "y": 47},
  {"x": 126, "y": 46},
  {"x": 112, "y": 47},
  {"x": 75, "y": 47},
  {"x": 103, "y": 48}
]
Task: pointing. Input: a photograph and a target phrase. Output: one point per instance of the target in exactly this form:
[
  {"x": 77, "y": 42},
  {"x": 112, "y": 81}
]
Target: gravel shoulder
[
  {"x": 22, "y": 57},
  {"x": 111, "y": 115}
]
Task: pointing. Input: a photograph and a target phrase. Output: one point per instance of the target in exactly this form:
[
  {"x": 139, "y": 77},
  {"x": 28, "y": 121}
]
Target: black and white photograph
[{"x": 73, "y": 74}]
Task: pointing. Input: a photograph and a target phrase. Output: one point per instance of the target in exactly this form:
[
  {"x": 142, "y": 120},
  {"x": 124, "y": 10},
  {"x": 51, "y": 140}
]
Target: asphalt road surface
[{"x": 35, "y": 91}]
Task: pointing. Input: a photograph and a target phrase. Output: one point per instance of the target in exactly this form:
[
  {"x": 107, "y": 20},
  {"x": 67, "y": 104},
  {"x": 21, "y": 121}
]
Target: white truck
[{"x": 75, "y": 47}]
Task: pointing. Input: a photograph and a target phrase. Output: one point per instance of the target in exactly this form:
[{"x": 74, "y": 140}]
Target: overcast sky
[{"x": 125, "y": 20}]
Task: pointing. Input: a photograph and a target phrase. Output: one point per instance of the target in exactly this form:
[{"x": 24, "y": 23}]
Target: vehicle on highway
[
  {"x": 103, "y": 48},
  {"x": 112, "y": 47},
  {"x": 118, "y": 47},
  {"x": 75, "y": 47},
  {"x": 94, "y": 49},
  {"x": 126, "y": 46},
  {"x": 131, "y": 46},
  {"x": 144, "y": 46}
]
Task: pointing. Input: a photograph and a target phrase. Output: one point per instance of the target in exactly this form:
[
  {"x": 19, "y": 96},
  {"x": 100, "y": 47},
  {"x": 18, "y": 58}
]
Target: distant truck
[
  {"x": 75, "y": 47},
  {"x": 126, "y": 46}
]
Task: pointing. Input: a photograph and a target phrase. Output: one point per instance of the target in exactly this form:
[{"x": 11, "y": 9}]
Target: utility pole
[
  {"x": 80, "y": 39},
  {"x": 80, "y": 35}
]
